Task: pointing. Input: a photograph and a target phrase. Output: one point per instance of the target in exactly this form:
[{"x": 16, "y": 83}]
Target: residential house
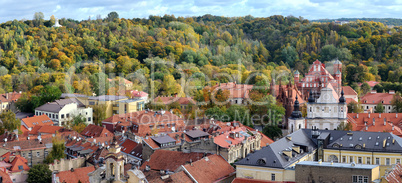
[
  {"x": 237, "y": 143},
  {"x": 73, "y": 175},
  {"x": 30, "y": 122},
  {"x": 376, "y": 122},
  {"x": 34, "y": 149},
  {"x": 370, "y": 101},
  {"x": 211, "y": 168},
  {"x": 135, "y": 94},
  {"x": 7, "y": 100},
  {"x": 62, "y": 111},
  {"x": 132, "y": 151},
  {"x": 146, "y": 122},
  {"x": 239, "y": 93},
  {"x": 188, "y": 141},
  {"x": 185, "y": 102},
  {"x": 15, "y": 166},
  {"x": 95, "y": 131},
  {"x": 350, "y": 94},
  {"x": 370, "y": 83}
]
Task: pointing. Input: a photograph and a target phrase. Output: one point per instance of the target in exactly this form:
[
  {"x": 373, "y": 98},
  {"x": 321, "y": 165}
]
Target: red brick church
[{"x": 318, "y": 77}]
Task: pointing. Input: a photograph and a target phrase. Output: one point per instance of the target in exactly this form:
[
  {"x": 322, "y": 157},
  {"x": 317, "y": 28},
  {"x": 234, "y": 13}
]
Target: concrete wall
[
  {"x": 306, "y": 173},
  {"x": 65, "y": 164}
]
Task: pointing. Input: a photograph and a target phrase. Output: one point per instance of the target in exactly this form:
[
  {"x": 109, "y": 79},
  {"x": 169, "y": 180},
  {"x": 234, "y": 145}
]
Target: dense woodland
[{"x": 81, "y": 55}]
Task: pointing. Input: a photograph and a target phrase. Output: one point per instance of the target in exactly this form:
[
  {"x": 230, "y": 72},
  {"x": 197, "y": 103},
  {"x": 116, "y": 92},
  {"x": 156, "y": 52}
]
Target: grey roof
[
  {"x": 163, "y": 139},
  {"x": 57, "y": 105},
  {"x": 272, "y": 155},
  {"x": 296, "y": 72},
  {"x": 107, "y": 98},
  {"x": 338, "y": 165},
  {"x": 22, "y": 115},
  {"x": 368, "y": 141},
  {"x": 196, "y": 133}
]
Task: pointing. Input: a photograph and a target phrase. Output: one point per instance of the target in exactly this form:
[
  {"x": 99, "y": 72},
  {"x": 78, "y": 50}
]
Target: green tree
[
  {"x": 397, "y": 103},
  {"x": 39, "y": 173},
  {"x": 345, "y": 127},
  {"x": 99, "y": 83},
  {"x": 3, "y": 71},
  {"x": 38, "y": 19},
  {"x": 379, "y": 108},
  {"x": 10, "y": 122},
  {"x": 289, "y": 55},
  {"x": 99, "y": 113},
  {"x": 365, "y": 88},
  {"x": 112, "y": 16},
  {"x": 238, "y": 113},
  {"x": 272, "y": 131},
  {"x": 354, "y": 107},
  {"x": 217, "y": 113},
  {"x": 57, "y": 150}
]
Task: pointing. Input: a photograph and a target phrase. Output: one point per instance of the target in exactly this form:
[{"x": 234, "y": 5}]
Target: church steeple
[
  {"x": 296, "y": 111},
  {"x": 342, "y": 98}
]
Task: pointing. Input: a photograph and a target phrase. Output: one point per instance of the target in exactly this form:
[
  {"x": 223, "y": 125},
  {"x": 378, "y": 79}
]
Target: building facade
[{"x": 370, "y": 101}]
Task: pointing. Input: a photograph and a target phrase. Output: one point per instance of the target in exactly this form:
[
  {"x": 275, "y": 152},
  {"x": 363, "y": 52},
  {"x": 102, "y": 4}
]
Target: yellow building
[
  {"x": 277, "y": 161},
  {"x": 117, "y": 104}
]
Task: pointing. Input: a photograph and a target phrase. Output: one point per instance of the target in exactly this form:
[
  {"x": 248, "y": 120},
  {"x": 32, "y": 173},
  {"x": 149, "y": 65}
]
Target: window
[
  {"x": 272, "y": 176},
  {"x": 23, "y": 155},
  {"x": 20, "y": 167},
  {"x": 387, "y": 161},
  {"x": 89, "y": 119},
  {"x": 368, "y": 160},
  {"x": 29, "y": 155},
  {"x": 343, "y": 159},
  {"x": 359, "y": 179},
  {"x": 67, "y": 115},
  {"x": 359, "y": 160},
  {"x": 398, "y": 161},
  {"x": 350, "y": 159},
  {"x": 37, "y": 154},
  {"x": 53, "y": 116},
  {"x": 377, "y": 161},
  {"x": 57, "y": 116},
  {"x": 46, "y": 153},
  {"x": 62, "y": 116}
]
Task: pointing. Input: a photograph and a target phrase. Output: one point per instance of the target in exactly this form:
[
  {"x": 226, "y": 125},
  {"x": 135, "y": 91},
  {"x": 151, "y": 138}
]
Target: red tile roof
[
  {"x": 349, "y": 100},
  {"x": 30, "y": 122},
  {"x": 96, "y": 131},
  {"x": 10, "y": 97},
  {"x": 6, "y": 156},
  {"x": 180, "y": 177},
  {"x": 361, "y": 120},
  {"x": 49, "y": 129},
  {"x": 376, "y": 98},
  {"x": 210, "y": 169},
  {"x": 128, "y": 146},
  {"x": 244, "y": 180},
  {"x": 19, "y": 164},
  {"x": 347, "y": 90},
  {"x": 370, "y": 83},
  {"x": 79, "y": 174},
  {"x": 180, "y": 100},
  {"x": 265, "y": 141},
  {"x": 236, "y": 90},
  {"x": 395, "y": 176},
  {"x": 6, "y": 178},
  {"x": 170, "y": 160},
  {"x": 137, "y": 94}
]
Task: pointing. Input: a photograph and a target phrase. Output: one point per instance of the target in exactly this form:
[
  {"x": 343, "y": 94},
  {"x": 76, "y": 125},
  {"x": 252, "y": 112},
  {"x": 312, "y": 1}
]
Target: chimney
[
  {"x": 392, "y": 127},
  {"x": 379, "y": 115},
  {"x": 357, "y": 115},
  {"x": 369, "y": 114},
  {"x": 385, "y": 122},
  {"x": 373, "y": 91},
  {"x": 7, "y": 96},
  {"x": 391, "y": 92},
  {"x": 366, "y": 127}
]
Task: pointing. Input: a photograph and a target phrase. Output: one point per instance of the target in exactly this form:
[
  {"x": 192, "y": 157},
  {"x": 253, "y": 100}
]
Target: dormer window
[
  {"x": 382, "y": 101},
  {"x": 335, "y": 145},
  {"x": 358, "y": 146}
]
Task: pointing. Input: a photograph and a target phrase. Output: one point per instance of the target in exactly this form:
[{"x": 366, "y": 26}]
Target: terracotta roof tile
[
  {"x": 347, "y": 90},
  {"x": 170, "y": 160},
  {"x": 210, "y": 169},
  {"x": 265, "y": 141},
  {"x": 395, "y": 176},
  {"x": 9, "y": 97},
  {"x": 30, "y": 122},
  {"x": 95, "y": 131},
  {"x": 181, "y": 177},
  {"x": 19, "y": 164},
  {"x": 128, "y": 146},
  {"x": 6, "y": 178},
  {"x": 362, "y": 122},
  {"x": 376, "y": 98},
  {"x": 79, "y": 174}
]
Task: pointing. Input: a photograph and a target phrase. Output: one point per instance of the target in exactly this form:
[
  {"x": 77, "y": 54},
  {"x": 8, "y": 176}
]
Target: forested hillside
[
  {"x": 386, "y": 21},
  {"x": 34, "y": 54}
]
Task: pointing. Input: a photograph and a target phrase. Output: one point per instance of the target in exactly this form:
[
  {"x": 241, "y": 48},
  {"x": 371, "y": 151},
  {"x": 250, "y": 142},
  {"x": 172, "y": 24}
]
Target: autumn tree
[
  {"x": 9, "y": 122},
  {"x": 99, "y": 113}
]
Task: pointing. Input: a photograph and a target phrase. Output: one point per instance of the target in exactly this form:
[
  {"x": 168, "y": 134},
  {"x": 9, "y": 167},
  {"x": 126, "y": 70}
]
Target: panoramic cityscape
[{"x": 201, "y": 91}]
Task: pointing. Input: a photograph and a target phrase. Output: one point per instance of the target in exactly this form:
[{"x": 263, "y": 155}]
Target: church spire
[
  {"x": 296, "y": 111},
  {"x": 342, "y": 98}
]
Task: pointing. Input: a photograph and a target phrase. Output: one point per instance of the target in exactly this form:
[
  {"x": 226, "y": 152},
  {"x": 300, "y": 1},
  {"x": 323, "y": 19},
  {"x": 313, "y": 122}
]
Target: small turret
[
  {"x": 342, "y": 98},
  {"x": 296, "y": 111}
]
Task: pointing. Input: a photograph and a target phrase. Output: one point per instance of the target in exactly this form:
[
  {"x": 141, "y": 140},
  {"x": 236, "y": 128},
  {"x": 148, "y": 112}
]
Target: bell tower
[{"x": 296, "y": 120}]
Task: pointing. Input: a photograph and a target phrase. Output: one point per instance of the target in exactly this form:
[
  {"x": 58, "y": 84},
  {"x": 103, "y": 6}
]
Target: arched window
[{"x": 333, "y": 158}]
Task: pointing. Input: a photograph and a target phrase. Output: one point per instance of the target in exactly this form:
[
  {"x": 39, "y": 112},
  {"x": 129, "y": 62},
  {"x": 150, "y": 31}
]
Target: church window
[
  {"x": 318, "y": 109},
  {"x": 326, "y": 109},
  {"x": 311, "y": 109},
  {"x": 303, "y": 84}
]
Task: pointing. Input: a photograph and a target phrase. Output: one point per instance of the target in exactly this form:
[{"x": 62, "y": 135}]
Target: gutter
[{"x": 188, "y": 173}]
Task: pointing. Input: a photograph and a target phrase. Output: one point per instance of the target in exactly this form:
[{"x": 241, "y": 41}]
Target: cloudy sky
[{"x": 310, "y": 9}]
